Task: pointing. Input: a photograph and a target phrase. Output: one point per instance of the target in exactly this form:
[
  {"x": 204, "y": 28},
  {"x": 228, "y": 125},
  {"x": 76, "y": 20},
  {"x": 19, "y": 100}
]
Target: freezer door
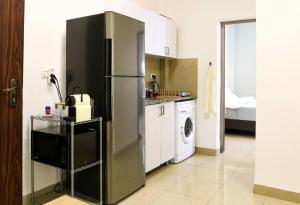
[
  {"x": 126, "y": 38},
  {"x": 125, "y": 168}
]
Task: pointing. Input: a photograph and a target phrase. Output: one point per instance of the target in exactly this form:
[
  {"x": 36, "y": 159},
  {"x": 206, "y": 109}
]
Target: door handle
[
  {"x": 7, "y": 90},
  {"x": 12, "y": 92}
]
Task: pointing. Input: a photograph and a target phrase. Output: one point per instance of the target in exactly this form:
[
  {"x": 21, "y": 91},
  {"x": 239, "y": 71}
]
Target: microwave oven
[{"x": 52, "y": 146}]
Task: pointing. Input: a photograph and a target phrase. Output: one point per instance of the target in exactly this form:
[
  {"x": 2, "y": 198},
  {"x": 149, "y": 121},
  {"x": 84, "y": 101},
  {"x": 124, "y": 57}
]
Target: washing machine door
[{"x": 187, "y": 130}]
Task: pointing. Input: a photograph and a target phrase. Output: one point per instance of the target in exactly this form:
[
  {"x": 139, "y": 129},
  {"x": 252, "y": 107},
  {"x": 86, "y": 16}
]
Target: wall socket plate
[
  {"x": 45, "y": 74},
  {"x": 153, "y": 75}
]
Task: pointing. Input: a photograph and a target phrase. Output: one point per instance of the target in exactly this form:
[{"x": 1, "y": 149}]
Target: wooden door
[{"x": 11, "y": 67}]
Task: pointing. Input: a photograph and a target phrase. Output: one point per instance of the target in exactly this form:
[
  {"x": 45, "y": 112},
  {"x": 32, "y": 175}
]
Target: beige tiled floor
[{"x": 203, "y": 180}]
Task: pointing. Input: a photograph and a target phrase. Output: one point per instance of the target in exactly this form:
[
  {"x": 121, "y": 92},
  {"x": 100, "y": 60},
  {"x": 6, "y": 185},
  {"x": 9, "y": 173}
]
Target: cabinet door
[
  {"x": 171, "y": 32},
  {"x": 134, "y": 11},
  {"x": 160, "y": 43},
  {"x": 165, "y": 36},
  {"x": 167, "y": 132},
  {"x": 152, "y": 137}
]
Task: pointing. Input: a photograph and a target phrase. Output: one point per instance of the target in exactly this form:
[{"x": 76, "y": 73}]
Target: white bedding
[{"x": 240, "y": 108}]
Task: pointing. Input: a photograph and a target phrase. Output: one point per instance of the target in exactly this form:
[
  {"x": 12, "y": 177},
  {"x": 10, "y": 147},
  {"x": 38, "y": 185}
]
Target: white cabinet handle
[{"x": 161, "y": 110}]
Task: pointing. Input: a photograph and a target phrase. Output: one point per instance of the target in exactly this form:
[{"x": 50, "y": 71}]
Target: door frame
[{"x": 222, "y": 83}]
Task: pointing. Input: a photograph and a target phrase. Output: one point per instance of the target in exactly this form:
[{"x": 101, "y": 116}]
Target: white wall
[
  {"x": 230, "y": 40},
  {"x": 240, "y": 63},
  {"x": 198, "y": 22},
  {"x": 245, "y": 59},
  {"x": 278, "y": 97}
]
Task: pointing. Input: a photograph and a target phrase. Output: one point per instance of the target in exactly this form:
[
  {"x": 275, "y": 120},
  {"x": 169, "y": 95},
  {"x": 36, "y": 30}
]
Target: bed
[{"x": 240, "y": 113}]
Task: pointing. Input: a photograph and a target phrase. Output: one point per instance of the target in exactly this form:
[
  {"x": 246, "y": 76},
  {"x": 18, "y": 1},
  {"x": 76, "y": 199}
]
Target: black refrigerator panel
[{"x": 87, "y": 60}]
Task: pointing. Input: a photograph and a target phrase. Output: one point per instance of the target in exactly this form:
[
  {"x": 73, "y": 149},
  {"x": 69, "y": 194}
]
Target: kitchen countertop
[{"x": 153, "y": 101}]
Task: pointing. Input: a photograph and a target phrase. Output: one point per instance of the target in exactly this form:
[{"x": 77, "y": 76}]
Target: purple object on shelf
[{"x": 47, "y": 110}]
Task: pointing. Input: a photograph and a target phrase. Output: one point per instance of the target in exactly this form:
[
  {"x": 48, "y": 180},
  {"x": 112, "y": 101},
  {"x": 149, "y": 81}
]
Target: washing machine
[{"x": 184, "y": 130}]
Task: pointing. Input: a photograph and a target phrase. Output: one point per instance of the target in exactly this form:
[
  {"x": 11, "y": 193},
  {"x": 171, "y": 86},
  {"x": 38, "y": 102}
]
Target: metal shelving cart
[{"x": 67, "y": 130}]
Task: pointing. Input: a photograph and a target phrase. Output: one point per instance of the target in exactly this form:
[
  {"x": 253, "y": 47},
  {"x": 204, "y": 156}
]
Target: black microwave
[{"x": 52, "y": 146}]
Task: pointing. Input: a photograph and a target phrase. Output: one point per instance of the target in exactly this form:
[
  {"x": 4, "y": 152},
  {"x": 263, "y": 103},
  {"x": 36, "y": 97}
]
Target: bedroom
[{"x": 240, "y": 79}]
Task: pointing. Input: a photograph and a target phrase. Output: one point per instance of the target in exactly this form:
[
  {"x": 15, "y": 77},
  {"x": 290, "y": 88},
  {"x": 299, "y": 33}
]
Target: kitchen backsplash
[
  {"x": 173, "y": 74},
  {"x": 152, "y": 66},
  {"x": 183, "y": 75}
]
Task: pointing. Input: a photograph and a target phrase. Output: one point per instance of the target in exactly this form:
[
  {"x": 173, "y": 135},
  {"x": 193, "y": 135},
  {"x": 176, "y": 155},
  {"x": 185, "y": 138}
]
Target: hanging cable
[{"x": 54, "y": 81}]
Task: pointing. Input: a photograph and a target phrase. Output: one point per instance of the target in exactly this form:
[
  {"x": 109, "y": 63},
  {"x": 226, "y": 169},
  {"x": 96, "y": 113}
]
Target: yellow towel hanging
[{"x": 210, "y": 90}]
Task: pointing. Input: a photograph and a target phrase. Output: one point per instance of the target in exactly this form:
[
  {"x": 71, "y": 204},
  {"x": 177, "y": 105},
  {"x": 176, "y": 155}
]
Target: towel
[{"x": 210, "y": 91}]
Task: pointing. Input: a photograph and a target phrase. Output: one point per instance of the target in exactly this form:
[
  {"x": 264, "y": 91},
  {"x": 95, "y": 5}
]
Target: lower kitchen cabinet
[{"x": 159, "y": 140}]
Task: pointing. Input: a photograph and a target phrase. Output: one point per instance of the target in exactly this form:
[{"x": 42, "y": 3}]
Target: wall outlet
[
  {"x": 45, "y": 74},
  {"x": 50, "y": 71},
  {"x": 153, "y": 76}
]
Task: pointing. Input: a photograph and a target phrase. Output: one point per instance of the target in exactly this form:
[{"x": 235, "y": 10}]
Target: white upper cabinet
[
  {"x": 144, "y": 15},
  {"x": 171, "y": 38},
  {"x": 165, "y": 32},
  {"x": 160, "y": 32}
]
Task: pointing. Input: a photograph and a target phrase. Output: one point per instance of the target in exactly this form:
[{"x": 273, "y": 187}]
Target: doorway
[{"x": 238, "y": 79}]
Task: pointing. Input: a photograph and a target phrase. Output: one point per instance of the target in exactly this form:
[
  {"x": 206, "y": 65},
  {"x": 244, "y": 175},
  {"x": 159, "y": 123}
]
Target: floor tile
[
  {"x": 180, "y": 169},
  {"x": 125, "y": 203},
  {"x": 272, "y": 201},
  {"x": 236, "y": 157},
  {"x": 221, "y": 164},
  {"x": 196, "y": 188},
  {"x": 196, "y": 160},
  {"x": 163, "y": 181},
  {"x": 210, "y": 174},
  {"x": 172, "y": 198},
  {"x": 144, "y": 196},
  {"x": 233, "y": 196}
]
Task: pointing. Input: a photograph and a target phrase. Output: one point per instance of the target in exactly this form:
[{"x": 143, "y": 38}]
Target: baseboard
[
  {"x": 207, "y": 151},
  {"x": 27, "y": 198},
  {"x": 277, "y": 193}
]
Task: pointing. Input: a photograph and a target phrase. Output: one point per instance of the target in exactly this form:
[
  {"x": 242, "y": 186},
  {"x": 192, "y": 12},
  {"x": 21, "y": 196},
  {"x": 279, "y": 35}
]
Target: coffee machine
[
  {"x": 154, "y": 86},
  {"x": 79, "y": 107}
]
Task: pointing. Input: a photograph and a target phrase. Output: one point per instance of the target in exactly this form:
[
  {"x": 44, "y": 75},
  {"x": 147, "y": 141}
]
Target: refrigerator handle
[
  {"x": 108, "y": 56},
  {"x": 108, "y": 68}
]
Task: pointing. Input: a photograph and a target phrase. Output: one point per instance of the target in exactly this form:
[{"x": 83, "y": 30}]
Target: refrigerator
[{"x": 105, "y": 57}]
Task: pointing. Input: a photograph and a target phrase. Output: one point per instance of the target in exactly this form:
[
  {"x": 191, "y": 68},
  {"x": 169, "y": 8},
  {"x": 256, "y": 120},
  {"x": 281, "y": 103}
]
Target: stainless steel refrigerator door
[
  {"x": 125, "y": 167},
  {"x": 127, "y": 47}
]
